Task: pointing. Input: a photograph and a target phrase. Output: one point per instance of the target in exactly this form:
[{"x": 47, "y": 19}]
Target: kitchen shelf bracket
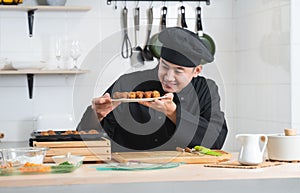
[
  {"x": 30, "y": 78},
  {"x": 30, "y": 15}
]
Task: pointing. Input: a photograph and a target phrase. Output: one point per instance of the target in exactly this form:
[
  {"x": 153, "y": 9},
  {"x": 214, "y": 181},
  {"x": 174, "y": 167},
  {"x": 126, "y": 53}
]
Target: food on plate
[
  {"x": 51, "y": 132},
  {"x": 119, "y": 95},
  {"x": 75, "y": 132},
  {"x": 132, "y": 95},
  {"x": 155, "y": 94},
  {"x": 63, "y": 167},
  {"x": 148, "y": 94},
  {"x": 205, "y": 150},
  {"x": 32, "y": 167},
  {"x": 44, "y": 133},
  {"x": 139, "y": 94},
  {"x": 82, "y": 132},
  {"x": 136, "y": 94},
  {"x": 93, "y": 131},
  {"x": 68, "y": 132},
  {"x": 47, "y": 133}
]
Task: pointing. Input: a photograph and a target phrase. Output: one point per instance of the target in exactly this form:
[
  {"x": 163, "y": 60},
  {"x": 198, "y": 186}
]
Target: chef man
[{"x": 189, "y": 114}]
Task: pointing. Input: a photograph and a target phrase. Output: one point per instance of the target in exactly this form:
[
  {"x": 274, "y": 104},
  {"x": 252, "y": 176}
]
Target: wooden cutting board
[{"x": 169, "y": 156}]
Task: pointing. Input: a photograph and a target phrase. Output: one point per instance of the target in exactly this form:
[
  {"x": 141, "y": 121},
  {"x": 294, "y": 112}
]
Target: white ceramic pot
[{"x": 283, "y": 148}]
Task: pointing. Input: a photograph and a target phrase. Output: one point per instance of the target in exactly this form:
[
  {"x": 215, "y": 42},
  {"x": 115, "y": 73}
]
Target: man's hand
[
  {"x": 165, "y": 105},
  {"x": 103, "y": 105}
]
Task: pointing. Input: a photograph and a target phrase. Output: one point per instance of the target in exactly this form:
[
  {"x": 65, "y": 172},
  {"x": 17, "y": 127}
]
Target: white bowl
[
  {"x": 56, "y": 2},
  {"x": 27, "y": 65},
  {"x": 5, "y": 64},
  {"x": 19, "y": 156},
  {"x": 73, "y": 159},
  {"x": 283, "y": 148}
]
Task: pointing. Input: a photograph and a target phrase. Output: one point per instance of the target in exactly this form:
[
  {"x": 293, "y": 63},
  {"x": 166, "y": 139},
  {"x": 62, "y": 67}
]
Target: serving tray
[
  {"x": 43, "y": 169},
  {"x": 128, "y": 100},
  {"x": 37, "y": 136}
]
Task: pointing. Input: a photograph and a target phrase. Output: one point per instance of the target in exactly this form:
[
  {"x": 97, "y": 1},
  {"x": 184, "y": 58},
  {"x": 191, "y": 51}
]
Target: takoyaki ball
[
  {"x": 82, "y": 132},
  {"x": 124, "y": 95},
  {"x": 117, "y": 95},
  {"x": 44, "y": 133},
  {"x": 93, "y": 131},
  {"x": 155, "y": 94},
  {"x": 148, "y": 94},
  {"x": 132, "y": 95},
  {"x": 75, "y": 133},
  {"x": 139, "y": 94},
  {"x": 51, "y": 132}
]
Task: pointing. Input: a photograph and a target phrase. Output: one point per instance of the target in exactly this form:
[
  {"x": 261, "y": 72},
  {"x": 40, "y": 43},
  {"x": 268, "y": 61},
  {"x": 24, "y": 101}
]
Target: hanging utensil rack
[{"x": 207, "y": 1}]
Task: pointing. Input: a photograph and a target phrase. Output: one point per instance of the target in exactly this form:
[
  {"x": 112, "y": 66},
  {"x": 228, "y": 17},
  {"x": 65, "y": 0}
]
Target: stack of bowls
[{"x": 56, "y": 2}]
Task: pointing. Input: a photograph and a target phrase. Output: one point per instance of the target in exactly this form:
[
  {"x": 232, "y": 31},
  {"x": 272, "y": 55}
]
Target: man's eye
[
  {"x": 179, "y": 71},
  {"x": 165, "y": 67}
]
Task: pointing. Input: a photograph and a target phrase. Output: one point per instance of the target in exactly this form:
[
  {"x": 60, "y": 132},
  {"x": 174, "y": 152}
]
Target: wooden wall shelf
[
  {"x": 31, "y": 9},
  {"x": 30, "y": 75},
  {"x": 32, "y": 71},
  {"x": 44, "y": 8}
]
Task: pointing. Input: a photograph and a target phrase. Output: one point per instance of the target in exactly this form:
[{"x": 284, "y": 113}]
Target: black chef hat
[{"x": 183, "y": 47}]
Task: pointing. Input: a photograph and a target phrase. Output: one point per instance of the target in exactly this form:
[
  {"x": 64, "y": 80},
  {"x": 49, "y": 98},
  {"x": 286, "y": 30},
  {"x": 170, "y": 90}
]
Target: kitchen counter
[{"x": 185, "y": 178}]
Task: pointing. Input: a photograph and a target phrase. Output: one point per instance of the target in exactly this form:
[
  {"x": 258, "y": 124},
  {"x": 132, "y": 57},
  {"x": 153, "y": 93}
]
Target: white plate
[{"x": 125, "y": 100}]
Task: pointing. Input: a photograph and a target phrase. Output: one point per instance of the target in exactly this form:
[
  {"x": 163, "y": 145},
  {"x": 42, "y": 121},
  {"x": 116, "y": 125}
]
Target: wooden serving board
[
  {"x": 92, "y": 150},
  {"x": 169, "y": 156}
]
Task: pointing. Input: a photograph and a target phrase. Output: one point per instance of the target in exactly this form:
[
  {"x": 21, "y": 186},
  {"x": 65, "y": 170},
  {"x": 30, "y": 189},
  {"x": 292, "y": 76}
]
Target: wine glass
[
  {"x": 58, "y": 52},
  {"x": 75, "y": 53}
]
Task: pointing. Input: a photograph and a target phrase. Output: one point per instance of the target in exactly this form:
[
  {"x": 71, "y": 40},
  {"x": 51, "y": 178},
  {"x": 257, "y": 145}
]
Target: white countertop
[
  {"x": 185, "y": 178},
  {"x": 188, "y": 177}
]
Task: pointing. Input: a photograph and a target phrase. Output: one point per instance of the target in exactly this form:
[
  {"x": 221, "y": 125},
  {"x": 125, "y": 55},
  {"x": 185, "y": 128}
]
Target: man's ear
[{"x": 197, "y": 70}]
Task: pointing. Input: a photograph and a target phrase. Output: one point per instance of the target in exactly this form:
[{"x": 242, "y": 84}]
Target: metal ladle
[
  {"x": 137, "y": 58},
  {"x": 147, "y": 55}
]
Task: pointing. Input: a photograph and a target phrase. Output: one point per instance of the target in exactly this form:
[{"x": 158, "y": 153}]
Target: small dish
[
  {"x": 73, "y": 159},
  {"x": 126, "y": 100}
]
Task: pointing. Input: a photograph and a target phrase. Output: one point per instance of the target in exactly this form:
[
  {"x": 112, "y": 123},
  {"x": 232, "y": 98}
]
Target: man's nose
[{"x": 170, "y": 75}]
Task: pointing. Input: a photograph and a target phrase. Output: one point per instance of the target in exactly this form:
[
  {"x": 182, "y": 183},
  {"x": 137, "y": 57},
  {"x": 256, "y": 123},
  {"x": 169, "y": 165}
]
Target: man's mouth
[{"x": 169, "y": 85}]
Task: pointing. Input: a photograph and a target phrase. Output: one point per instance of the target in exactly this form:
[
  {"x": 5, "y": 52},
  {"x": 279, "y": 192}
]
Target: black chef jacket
[{"x": 199, "y": 121}]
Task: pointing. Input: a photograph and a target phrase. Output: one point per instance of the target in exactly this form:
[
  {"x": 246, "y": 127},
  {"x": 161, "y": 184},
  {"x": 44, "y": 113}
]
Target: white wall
[
  {"x": 262, "y": 66},
  {"x": 295, "y": 69},
  {"x": 251, "y": 66}
]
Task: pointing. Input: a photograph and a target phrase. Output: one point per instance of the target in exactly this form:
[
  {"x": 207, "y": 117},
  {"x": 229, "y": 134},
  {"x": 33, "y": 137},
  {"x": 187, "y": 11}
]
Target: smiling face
[{"x": 173, "y": 77}]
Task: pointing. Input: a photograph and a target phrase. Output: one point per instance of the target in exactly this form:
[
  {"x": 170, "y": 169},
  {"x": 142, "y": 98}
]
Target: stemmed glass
[
  {"x": 58, "y": 52},
  {"x": 75, "y": 53}
]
